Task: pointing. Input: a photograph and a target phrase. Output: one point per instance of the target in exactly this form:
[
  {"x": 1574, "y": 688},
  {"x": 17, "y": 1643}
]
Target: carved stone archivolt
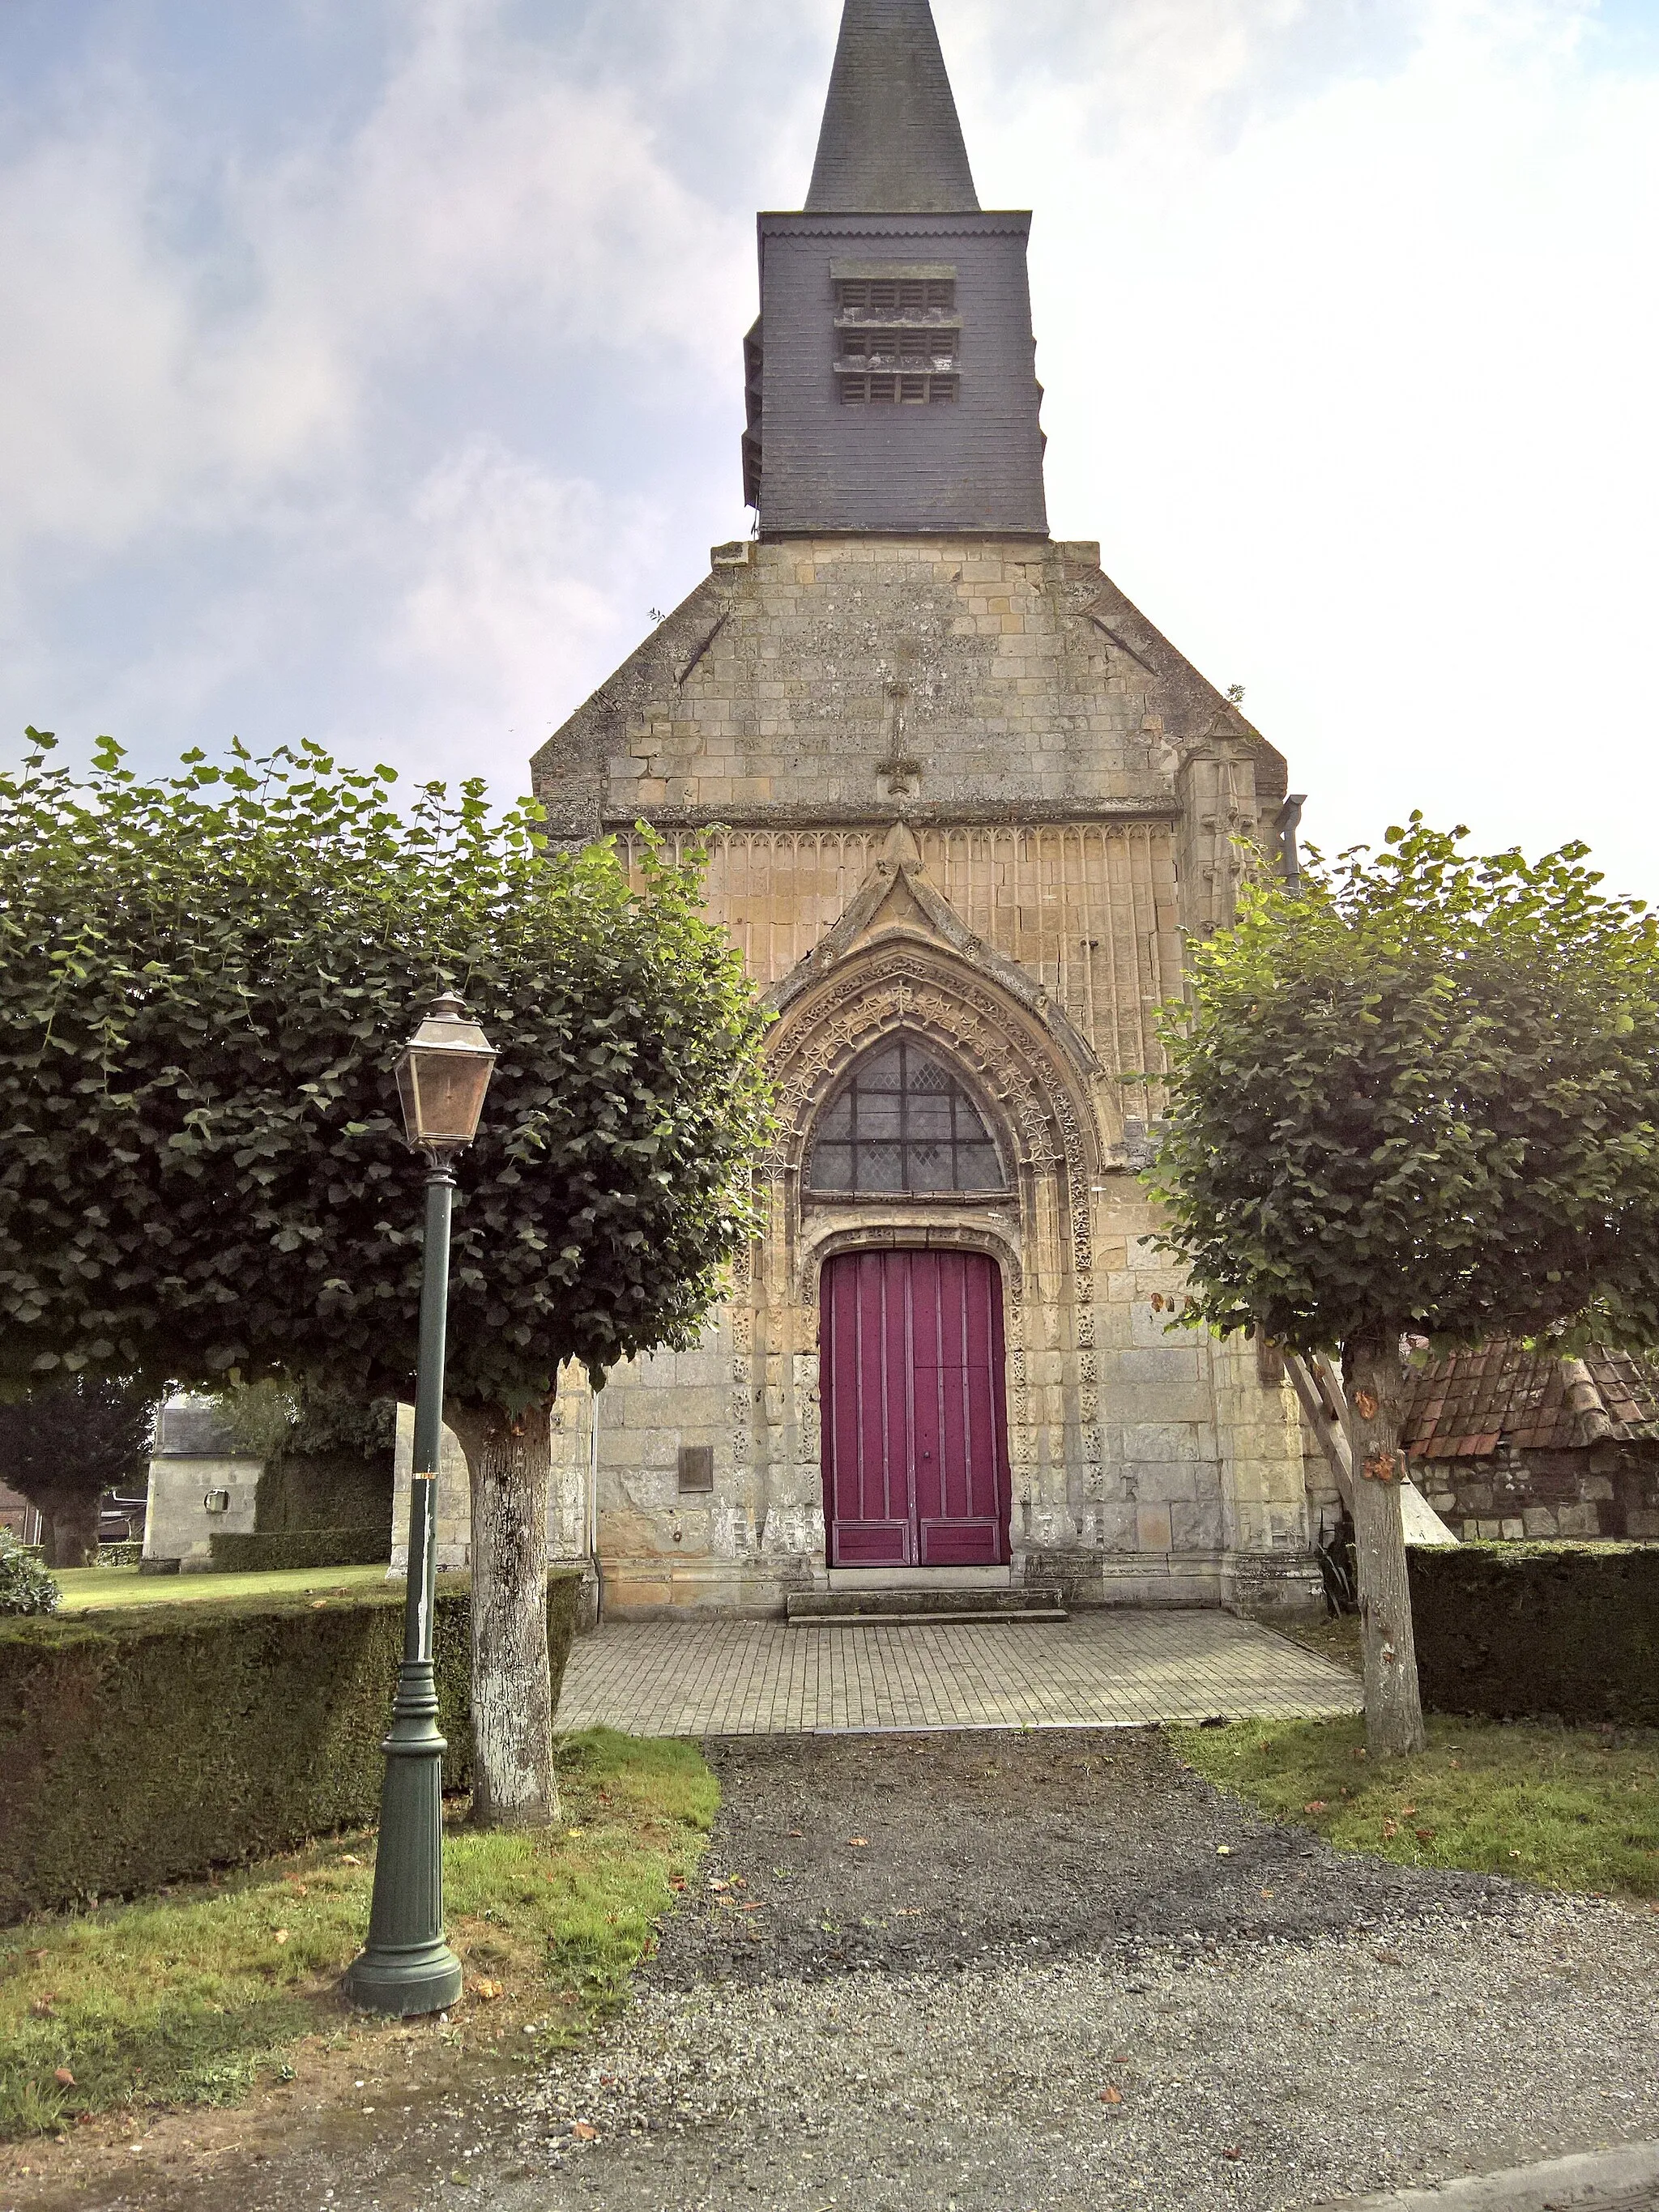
[{"x": 1001, "y": 1053}]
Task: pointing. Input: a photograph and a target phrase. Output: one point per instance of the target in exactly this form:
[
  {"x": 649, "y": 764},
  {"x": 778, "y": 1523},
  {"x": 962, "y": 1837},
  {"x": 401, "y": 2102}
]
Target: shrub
[
  {"x": 25, "y": 1585},
  {"x": 1512, "y": 1630},
  {"x": 145, "y": 1745},
  {"x": 265, "y": 1552}
]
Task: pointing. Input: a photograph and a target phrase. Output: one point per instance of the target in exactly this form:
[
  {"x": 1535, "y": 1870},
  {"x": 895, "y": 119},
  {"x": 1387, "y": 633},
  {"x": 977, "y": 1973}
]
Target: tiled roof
[{"x": 1461, "y": 1406}]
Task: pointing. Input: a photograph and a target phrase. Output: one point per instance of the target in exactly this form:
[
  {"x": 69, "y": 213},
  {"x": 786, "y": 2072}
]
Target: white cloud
[
  {"x": 526, "y": 591},
  {"x": 1353, "y": 380},
  {"x": 1346, "y": 308}
]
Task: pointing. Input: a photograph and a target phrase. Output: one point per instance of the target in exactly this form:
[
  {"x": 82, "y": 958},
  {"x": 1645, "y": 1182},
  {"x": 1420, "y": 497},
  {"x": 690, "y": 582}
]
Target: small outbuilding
[{"x": 1508, "y": 1443}]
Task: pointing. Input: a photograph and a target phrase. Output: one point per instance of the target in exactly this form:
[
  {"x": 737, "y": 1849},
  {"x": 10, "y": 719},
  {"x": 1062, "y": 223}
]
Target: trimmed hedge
[
  {"x": 145, "y": 1745},
  {"x": 264, "y": 1553},
  {"x": 1514, "y": 1630}
]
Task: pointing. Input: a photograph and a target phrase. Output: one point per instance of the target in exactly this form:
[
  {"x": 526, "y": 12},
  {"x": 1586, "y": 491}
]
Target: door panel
[
  {"x": 865, "y": 1418},
  {"x": 915, "y": 1426}
]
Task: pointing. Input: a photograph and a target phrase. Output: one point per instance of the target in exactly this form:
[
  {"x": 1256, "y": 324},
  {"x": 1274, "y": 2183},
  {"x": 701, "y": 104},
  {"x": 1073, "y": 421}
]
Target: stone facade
[
  {"x": 958, "y": 794},
  {"x": 965, "y": 794}
]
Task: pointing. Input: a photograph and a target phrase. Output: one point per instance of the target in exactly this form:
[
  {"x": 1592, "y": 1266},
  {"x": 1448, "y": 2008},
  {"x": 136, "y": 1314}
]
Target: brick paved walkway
[{"x": 1099, "y": 1669}]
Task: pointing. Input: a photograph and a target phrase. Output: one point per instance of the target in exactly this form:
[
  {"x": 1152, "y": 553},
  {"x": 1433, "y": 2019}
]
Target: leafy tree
[
  {"x": 63, "y": 1447},
  {"x": 208, "y": 979},
  {"x": 276, "y": 1418},
  {"x": 1419, "y": 1097}
]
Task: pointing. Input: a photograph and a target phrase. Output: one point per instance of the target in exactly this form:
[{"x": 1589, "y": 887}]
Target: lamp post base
[
  {"x": 406, "y": 1967},
  {"x": 426, "y": 1979}
]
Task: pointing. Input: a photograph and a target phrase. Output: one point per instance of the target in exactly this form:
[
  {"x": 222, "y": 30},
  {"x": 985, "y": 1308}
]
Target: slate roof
[
  {"x": 891, "y": 142},
  {"x": 1463, "y": 1406}
]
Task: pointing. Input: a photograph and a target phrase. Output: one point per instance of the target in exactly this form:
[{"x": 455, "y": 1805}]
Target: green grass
[
  {"x": 1573, "y": 1809},
  {"x": 191, "y": 1998},
  {"x": 85, "y": 1589}
]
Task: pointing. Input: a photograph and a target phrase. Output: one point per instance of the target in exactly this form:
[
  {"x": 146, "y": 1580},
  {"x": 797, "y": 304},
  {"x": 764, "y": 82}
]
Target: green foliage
[
  {"x": 1567, "y": 1809},
  {"x": 208, "y": 981},
  {"x": 188, "y": 1999},
  {"x": 277, "y": 1417},
  {"x": 1420, "y": 1095},
  {"x": 73, "y": 1440},
  {"x": 144, "y": 1746},
  {"x": 1512, "y": 1630},
  {"x": 25, "y": 1585},
  {"x": 270, "y": 1551}
]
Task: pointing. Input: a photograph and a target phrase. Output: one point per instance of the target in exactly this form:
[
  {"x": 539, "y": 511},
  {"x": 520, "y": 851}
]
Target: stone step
[{"x": 844, "y": 1609}]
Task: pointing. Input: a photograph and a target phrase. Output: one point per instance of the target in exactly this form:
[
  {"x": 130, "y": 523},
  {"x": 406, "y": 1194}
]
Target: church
[{"x": 963, "y": 804}]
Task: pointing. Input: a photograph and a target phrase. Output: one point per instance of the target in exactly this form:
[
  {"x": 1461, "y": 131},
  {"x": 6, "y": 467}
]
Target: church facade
[{"x": 963, "y": 805}]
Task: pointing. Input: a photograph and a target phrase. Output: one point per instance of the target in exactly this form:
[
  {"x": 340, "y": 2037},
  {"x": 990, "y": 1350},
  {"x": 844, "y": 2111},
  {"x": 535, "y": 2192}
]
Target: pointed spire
[{"x": 892, "y": 144}]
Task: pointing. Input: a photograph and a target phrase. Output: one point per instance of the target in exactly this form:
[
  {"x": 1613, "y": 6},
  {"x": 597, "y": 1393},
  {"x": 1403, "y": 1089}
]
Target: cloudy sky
[{"x": 371, "y": 367}]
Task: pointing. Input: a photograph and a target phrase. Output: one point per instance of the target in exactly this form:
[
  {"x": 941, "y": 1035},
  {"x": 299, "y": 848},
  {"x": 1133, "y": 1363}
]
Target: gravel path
[
  {"x": 1066, "y": 1972},
  {"x": 997, "y": 1972}
]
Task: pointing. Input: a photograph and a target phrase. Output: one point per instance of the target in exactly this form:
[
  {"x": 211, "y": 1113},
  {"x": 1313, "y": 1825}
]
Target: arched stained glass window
[{"x": 902, "y": 1122}]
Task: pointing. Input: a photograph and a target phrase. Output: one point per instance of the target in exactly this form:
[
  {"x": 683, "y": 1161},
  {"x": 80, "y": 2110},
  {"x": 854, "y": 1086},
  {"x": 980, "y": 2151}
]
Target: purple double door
[{"x": 915, "y": 1432}]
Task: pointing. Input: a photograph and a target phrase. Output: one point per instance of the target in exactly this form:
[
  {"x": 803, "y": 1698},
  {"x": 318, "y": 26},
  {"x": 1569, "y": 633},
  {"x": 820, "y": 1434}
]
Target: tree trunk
[
  {"x": 510, "y": 1467},
  {"x": 72, "y": 1529},
  {"x": 1374, "y": 1381}
]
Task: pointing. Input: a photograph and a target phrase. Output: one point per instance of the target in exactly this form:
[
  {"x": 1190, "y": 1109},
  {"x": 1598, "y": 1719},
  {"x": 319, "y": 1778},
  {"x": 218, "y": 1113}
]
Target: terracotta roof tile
[{"x": 1463, "y": 1406}]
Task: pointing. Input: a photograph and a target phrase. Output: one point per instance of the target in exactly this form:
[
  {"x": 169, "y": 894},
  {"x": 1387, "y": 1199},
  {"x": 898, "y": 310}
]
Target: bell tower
[{"x": 890, "y": 379}]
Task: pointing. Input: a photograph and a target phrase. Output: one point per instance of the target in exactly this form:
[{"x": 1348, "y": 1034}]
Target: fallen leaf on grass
[
  {"x": 488, "y": 1990},
  {"x": 1406, "y": 1812},
  {"x": 1390, "y": 1829},
  {"x": 64, "y": 2078},
  {"x": 1426, "y": 1835},
  {"x": 351, "y": 1858},
  {"x": 280, "y": 1936},
  {"x": 43, "y": 2008},
  {"x": 318, "y": 1603},
  {"x": 676, "y": 1881},
  {"x": 1315, "y": 1805}
]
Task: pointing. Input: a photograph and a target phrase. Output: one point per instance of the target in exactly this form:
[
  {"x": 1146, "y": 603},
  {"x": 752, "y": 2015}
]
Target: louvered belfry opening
[
  {"x": 898, "y": 336},
  {"x": 902, "y": 1124}
]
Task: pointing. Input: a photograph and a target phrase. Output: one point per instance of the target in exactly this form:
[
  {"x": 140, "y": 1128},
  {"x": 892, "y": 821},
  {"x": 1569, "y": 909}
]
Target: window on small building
[{"x": 903, "y": 1124}]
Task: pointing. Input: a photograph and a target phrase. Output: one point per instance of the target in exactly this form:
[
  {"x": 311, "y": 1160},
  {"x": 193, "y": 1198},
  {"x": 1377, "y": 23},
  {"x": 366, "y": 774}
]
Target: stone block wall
[
  {"x": 179, "y": 1523},
  {"x": 1608, "y": 1489}
]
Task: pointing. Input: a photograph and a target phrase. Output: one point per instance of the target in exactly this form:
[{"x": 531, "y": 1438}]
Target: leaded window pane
[{"x": 902, "y": 1122}]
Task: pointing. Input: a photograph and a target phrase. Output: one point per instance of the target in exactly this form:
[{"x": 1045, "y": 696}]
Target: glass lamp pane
[{"x": 450, "y": 1086}]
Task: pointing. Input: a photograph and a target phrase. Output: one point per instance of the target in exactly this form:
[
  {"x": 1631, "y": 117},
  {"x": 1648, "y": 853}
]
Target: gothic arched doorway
[
  {"x": 915, "y": 1450},
  {"x": 910, "y": 1352}
]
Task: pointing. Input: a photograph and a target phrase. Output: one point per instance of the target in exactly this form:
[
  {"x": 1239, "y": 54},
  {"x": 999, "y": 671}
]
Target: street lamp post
[{"x": 406, "y": 1966}]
